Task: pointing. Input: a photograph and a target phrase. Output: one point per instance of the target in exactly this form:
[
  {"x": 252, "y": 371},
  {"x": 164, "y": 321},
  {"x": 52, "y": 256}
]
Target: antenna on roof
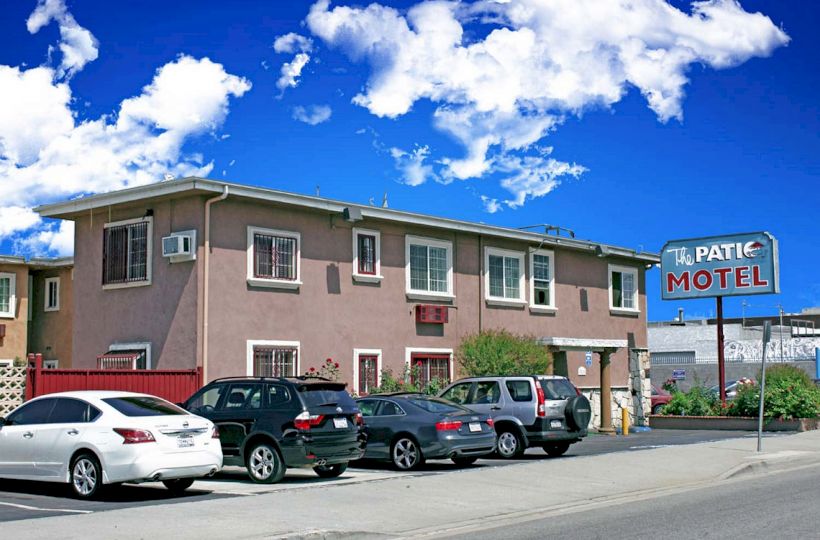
[
  {"x": 372, "y": 201},
  {"x": 317, "y": 190},
  {"x": 168, "y": 177},
  {"x": 384, "y": 200}
]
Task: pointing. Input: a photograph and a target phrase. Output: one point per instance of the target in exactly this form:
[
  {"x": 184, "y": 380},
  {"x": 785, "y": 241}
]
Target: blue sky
[{"x": 731, "y": 146}]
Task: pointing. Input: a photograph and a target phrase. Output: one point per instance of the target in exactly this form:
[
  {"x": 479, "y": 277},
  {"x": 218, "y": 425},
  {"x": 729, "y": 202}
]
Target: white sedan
[{"x": 92, "y": 438}]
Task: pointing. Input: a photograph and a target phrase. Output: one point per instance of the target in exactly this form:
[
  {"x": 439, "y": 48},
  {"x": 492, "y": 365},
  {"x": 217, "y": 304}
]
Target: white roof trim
[{"x": 583, "y": 344}]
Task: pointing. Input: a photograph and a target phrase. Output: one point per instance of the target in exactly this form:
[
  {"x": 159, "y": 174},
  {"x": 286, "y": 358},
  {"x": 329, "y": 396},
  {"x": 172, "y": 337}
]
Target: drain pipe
[{"x": 206, "y": 288}]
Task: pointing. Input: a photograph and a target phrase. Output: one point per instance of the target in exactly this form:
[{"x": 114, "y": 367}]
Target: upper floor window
[
  {"x": 429, "y": 265},
  {"x": 542, "y": 279},
  {"x": 127, "y": 252},
  {"x": 366, "y": 255},
  {"x": 52, "y": 294},
  {"x": 273, "y": 359},
  {"x": 8, "y": 296},
  {"x": 504, "y": 275},
  {"x": 273, "y": 258},
  {"x": 623, "y": 288}
]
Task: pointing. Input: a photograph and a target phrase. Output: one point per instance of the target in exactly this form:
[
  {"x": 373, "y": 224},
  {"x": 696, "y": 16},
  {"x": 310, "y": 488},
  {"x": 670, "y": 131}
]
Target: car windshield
[
  {"x": 325, "y": 397},
  {"x": 437, "y": 405},
  {"x": 144, "y": 406},
  {"x": 557, "y": 388}
]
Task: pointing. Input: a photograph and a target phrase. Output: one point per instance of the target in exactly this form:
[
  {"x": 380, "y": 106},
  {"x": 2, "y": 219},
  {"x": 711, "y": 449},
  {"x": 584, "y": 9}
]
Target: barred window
[
  {"x": 274, "y": 361},
  {"x": 426, "y": 367},
  {"x": 368, "y": 373},
  {"x": 125, "y": 252},
  {"x": 275, "y": 257},
  {"x": 367, "y": 254}
]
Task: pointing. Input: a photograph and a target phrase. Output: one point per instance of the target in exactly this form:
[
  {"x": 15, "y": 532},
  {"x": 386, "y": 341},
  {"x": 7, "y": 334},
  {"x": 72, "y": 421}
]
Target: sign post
[
  {"x": 767, "y": 335},
  {"x": 719, "y": 266}
]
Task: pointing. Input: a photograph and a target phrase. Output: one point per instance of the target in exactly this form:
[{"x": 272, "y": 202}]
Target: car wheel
[
  {"x": 657, "y": 409},
  {"x": 264, "y": 464},
  {"x": 556, "y": 450},
  {"x": 86, "y": 476},
  {"x": 178, "y": 485},
  {"x": 464, "y": 461},
  {"x": 510, "y": 445},
  {"x": 330, "y": 471},
  {"x": 405, "y": 454}
]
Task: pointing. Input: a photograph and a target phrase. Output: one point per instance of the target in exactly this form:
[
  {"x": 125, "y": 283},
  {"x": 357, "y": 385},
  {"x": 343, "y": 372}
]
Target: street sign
[
  {"x": 732, "y": 265},
  {"x": 679, "y": 374},
  {"x": 588, "y": 361}
]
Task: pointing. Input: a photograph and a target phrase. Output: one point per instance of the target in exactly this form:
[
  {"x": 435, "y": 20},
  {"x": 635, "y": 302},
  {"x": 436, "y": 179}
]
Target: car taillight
[
  {"x": 135, "y": 436},
  {"x": 577, "y": 391},
  {"x": 306, "y": 420},
  {"x": 359, "y": 419},
  {"x": 447, "y": 425},
  {"x": 490, "y": 422},
  {"x": 215, "y": 434},
  {"x": 542, "y": 407}
]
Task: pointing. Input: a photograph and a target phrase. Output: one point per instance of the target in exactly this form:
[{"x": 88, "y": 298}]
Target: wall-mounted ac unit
[
  {"x": 180, "y": 246},
  {"x": 431, "y": 314}
]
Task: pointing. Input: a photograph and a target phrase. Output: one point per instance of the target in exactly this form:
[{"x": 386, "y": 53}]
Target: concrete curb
[{"x": 771, "y": 463}]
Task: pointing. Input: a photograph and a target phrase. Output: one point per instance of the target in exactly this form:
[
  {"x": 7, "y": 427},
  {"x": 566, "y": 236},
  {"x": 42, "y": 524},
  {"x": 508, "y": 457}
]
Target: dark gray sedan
[{"x": 406, "y": 429}]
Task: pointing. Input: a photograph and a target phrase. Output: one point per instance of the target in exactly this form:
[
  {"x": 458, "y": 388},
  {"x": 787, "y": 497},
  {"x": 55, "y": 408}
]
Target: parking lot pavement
[{"x": 26, "y": 500}]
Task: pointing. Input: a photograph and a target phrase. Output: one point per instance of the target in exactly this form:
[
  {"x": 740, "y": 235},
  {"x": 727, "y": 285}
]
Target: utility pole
[
  {"x": 781, "y": 332},
  {"x": 767, "y": 334}
]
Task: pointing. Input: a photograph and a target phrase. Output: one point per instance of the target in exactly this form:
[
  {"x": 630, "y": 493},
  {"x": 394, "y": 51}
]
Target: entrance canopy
[{"x": 558, "y": 344}]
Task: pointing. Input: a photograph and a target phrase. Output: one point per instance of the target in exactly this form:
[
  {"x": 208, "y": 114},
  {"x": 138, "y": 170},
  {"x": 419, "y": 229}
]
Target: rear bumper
[
  {"x": 304, "y": 451},
  {"x": 542, "y": 433},
  {"x": 449, "y": 446},
  {"x": 152, "y": 466}
]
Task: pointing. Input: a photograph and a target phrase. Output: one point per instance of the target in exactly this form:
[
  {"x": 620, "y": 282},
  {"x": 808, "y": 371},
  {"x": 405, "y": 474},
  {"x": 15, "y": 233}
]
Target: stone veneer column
[{"x": 606, "y": 394}]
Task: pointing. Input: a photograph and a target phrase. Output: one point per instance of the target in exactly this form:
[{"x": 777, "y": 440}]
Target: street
[{"x": 775, "y": 506}]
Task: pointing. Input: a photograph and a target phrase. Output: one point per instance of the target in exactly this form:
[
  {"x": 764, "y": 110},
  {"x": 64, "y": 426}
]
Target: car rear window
[
  {"x": 144, "y": 406},
  {"x": 557, "y": 388},
  {"x": 313, "y": 396},
  {"x": 436, "y": 405}
]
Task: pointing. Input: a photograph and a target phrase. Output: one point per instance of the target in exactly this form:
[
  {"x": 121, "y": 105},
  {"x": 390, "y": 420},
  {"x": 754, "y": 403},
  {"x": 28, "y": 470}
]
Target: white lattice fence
[{"x": 12, "y": 388}]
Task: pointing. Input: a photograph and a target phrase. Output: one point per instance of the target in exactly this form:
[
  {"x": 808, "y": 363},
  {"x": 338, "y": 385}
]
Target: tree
[{"x": 499, "y": 352}]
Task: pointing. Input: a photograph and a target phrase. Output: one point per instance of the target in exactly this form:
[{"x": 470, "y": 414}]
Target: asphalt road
[
  {"x": 26, "y": 500},
  {"x": 775, "y": 506}
]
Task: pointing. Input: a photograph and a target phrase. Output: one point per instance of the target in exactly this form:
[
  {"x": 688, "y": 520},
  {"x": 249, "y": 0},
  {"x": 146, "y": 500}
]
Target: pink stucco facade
[{"x": 330, "y": 314}]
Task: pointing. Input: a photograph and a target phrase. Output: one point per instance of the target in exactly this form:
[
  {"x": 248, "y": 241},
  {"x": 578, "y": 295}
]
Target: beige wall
[
  {"x": 52, "y": 331},
  {"x": 14, "y": 345},
  {"x": 330, "y": 314}
]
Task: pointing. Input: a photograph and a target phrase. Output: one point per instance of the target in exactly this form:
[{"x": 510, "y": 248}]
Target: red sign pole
[{"x": 721, "y": 367}]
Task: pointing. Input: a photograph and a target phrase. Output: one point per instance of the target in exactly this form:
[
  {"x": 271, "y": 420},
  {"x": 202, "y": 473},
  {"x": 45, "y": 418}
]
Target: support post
[
  {"x": 721, "y": 365},
  {"x": 606, "y": 395}
]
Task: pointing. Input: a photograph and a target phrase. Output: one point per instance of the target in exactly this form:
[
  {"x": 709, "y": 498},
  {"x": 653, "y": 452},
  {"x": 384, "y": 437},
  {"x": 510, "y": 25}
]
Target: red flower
[
  {"x": 328, "y": 361},
  {"x": 418, "y": 363},
  {"x": 312, "y": 369},
  {"x": 336, "y": 365}
]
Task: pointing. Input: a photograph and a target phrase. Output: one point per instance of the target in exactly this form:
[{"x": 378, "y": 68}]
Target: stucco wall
[
  {"x": 14, "y": 345},
  {"x": 52, "y": 331}
]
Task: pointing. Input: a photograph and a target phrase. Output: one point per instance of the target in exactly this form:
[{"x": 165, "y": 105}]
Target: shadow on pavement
[{"x": 124, "y": 493}]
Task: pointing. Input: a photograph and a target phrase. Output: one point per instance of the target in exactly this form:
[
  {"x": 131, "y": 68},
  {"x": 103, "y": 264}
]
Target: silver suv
[{"x": 537, "y": 410}]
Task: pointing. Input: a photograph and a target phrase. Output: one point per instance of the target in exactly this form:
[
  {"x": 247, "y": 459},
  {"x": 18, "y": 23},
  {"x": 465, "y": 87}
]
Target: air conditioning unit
[
  {"x": 180, "y": 246},
  {"x": 431, "y": 314}
]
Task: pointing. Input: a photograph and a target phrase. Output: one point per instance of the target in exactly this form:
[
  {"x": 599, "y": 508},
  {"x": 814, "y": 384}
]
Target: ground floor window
[
  {"x": 275, "y": 361},
  {"x": 368, "y": 371},
  {"x": 427, "y": 366}
]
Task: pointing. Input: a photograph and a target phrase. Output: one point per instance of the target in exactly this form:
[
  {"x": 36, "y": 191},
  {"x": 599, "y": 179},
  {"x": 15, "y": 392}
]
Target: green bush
[
  {"x": 790, "y": 393},
  {"x": 698, "y": 401},
  {"x": 404, "y": 383},
  {"x": 498, "y": 352}
]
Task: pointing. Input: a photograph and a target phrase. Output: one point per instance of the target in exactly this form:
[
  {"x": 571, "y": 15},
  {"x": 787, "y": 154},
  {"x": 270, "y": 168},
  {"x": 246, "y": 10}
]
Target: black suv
[{"x": 269, "y": 424}]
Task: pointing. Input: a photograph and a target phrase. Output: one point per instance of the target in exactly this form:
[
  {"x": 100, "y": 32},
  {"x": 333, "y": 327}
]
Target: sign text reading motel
[{"x": 733, "y": 265}]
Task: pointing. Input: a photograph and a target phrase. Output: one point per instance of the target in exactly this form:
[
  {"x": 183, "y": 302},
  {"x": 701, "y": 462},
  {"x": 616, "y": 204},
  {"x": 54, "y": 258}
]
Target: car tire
[
  {"x": 264, "y": 464},
  {"x": 657, "y": 409},
  {"x": 556, "y": 449},
  {"x": 178, "y": 485},
  {"x": 464, "y": 461},
  {"x": 330, "y": 471},
  {"x": 86, "y": 476},
  {"x": 510, "y": 444},
  {"x": 405, "y": 454}
]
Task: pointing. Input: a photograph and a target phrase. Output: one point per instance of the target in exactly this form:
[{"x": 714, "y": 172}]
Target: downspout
[{"x": 206, "y": 288}]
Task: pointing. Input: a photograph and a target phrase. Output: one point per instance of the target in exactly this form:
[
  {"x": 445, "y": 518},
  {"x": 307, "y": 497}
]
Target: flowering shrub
[
  {"x": 328, "y": 370},
  {"x": 670, "y": 385},
  {"x": 404, "y": 382},
  {"x": 698, "y": 401},
  {"x": 790, "y": 393}
]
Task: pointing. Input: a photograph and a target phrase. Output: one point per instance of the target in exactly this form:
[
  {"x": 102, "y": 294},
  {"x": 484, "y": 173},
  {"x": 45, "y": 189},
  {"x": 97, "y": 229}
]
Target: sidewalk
[{"x": 422, "y": 506}]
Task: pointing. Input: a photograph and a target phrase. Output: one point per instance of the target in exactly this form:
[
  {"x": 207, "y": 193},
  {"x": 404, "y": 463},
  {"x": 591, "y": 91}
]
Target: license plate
[
  {"x": 475, "y": 426},
  {"x": 555, "y": 424},
  {"x": 185, "y": 442},
  {"x": 340, "y": 422}
]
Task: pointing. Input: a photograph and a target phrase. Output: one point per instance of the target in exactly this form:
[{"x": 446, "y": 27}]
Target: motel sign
[{"x": 733, "y": 265}]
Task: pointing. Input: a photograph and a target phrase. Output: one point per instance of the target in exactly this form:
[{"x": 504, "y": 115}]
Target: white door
[
  {"x": 61, "y": 436},
  {"x": 19, "y": 438}
]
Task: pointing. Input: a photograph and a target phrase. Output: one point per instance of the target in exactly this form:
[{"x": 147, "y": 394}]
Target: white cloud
[
  {"x": 500, "y": 93},
  {"x": 291, "y": 71},
  {"x": 51, "y": 239},
  {"x": 312, "y": 114},
  {"x": 411, "y": 164},
  {"x": 491, "y": 206},
  {"x": 77, "y": 44},
  {"x": 14, "y": 219}
]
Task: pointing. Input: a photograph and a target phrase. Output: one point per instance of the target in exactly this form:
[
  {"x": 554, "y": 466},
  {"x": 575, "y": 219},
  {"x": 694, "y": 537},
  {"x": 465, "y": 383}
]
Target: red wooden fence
[{"x": 174, "y": 385}]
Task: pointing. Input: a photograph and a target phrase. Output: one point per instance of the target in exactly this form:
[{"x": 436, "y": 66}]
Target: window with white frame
[
  {"x": 366, "y": 255},
  {"x": 429, "y": 266},
  {"x": 273, "y": 358},
  {"x": 8, "y": 294},
  {"x": 542, "y": 279},
  {"x": 428, "y": 366},
  {"x": 273, "y": 257},
  {"x": 52, "y": 294},
  {"x": 366, "y": 370},
  {"x": 127, "y": 252},
  {"x": 623, "y": 288},
  {"x": 504, "y": 275}
]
